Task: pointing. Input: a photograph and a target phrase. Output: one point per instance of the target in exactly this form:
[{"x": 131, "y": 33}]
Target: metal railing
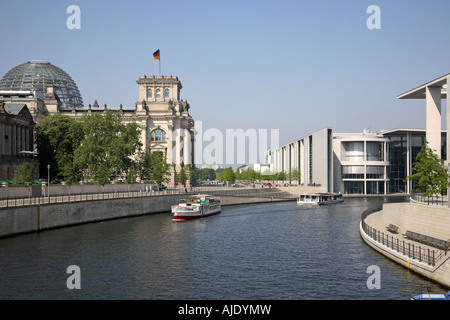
[
  {"x": 406, "y": 248},
  {"x": 52, "y": 199},
  {"x": 437, "y": 200},
  {"x": 76, "y": 197}
]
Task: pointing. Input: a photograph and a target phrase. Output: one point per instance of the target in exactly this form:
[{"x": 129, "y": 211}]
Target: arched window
[
  {"x": 166, "y": 93},
  {"x": 149, "y": 93},
  {"x": 158, "y": 135},
  {"x": 158, "y": 93}
]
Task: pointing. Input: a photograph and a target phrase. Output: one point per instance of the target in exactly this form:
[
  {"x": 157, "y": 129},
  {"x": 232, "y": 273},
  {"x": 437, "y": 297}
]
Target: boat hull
[{"x": 187, "y": 216}]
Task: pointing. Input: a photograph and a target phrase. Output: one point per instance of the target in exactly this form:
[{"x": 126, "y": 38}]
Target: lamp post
[{"x": 48, "y": 183}]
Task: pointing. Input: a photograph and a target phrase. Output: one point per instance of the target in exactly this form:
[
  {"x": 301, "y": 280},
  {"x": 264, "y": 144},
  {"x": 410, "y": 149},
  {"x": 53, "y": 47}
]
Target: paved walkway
[{"x": 377, "y": 220}]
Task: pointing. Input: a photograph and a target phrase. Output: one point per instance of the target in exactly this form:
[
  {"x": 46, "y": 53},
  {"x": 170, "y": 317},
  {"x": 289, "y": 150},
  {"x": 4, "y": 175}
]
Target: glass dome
[{"x": 36, "y": 75}]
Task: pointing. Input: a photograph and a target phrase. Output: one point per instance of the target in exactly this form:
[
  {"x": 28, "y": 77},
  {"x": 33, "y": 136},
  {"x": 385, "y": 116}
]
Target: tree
[
  {"x": 227, "y": 175},
  {"x": 25, "y": 173},
  {"x": 108, "y": 147},
  {"x": 58, "y": 136},
  {"x": 154, "y": 167},
  {"x": 206, "y": 174},
  {"x": 294, "y": 175},
  {"x": 131, "y": 175},
  {"x": 430, "y": 177},
  {"x": 182, "y": 176}
]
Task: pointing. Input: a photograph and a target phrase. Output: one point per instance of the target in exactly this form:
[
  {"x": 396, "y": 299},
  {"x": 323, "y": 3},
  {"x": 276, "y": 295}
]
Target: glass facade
[{"x": 37, "y": 75}]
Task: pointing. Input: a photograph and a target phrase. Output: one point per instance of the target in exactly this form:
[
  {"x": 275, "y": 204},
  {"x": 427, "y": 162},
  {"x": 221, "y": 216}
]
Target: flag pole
[{"x": 159, "y": 62}]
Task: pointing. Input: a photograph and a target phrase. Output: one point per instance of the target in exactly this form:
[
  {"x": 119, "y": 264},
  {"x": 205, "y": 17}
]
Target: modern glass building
[
  {"x": 357, "y": 163},
  {"x": 36, "y": 75}
]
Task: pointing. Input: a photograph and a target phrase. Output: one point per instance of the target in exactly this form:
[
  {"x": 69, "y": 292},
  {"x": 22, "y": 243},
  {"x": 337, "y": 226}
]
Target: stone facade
[
  {"x": 16, "y": 139},
  {"x": 164, "y": 118}
]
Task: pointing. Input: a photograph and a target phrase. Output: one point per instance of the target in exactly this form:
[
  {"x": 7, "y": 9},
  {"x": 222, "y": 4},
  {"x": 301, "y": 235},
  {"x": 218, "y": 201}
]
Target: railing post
[{"x": 433, "y": 259}]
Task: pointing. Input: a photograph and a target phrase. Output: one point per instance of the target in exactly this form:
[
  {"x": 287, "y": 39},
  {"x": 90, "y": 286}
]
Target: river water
[{"x": 277, "y": 251}]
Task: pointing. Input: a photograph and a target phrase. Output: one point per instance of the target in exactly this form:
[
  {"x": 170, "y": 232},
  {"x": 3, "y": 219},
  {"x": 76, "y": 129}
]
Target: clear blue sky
[{"x": 297, "y": 66}]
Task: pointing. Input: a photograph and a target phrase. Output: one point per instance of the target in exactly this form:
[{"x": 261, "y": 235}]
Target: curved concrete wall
[{"x": 433, "y": 221}]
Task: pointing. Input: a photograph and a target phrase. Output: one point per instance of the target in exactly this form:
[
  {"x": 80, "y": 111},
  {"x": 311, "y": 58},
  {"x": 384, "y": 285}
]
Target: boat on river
[
  {"x": 320, "y": 198},
  {"x": 197, "y": 206},
  {"x": 431, "y": 296}
]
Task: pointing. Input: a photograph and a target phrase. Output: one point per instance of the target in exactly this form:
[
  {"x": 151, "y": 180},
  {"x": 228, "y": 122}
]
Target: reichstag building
[{"x": 46, "y": 89}]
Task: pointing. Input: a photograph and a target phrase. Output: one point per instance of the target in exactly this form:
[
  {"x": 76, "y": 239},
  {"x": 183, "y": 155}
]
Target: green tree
[
  {"x": 206, "y": 174},
  {"x": 182, "y": 176},
  {"x": 280, "y": 176},
  {"x": 430, "y": 176},
  {"x": 293, "y": 175},
  {"x": 25, "y": 173},
  {"x": 131, "y": 175},
  {"x": 58, "y": 136},
  {"x": 108, "y": 146},
  {"x": 154, "y": 167},
  {"x": 227, "y": 175}
]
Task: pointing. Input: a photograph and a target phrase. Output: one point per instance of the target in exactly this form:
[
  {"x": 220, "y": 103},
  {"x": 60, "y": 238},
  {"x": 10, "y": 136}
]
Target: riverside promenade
[{"x": 420, "y": 241}]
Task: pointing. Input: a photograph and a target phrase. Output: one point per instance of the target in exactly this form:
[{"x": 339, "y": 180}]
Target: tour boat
[
  {"x": 431, "y": 296},
  {"x": 320, "y": 198},
  {"x": 197, "y": 206}
]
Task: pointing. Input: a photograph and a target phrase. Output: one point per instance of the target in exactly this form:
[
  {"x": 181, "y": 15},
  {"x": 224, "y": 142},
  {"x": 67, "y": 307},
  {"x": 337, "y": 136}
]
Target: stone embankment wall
[{"x": 18, "y": 220}]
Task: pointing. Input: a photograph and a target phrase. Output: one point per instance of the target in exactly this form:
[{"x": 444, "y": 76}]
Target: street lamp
[{"x": 48, "y": 183}]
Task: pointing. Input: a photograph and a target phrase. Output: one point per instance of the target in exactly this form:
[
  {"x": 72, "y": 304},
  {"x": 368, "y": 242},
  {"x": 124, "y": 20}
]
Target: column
[
  {"x": 433, "y": 118},
  {"x": 13, "y": 139},
  {"x": 187, "y": 147},
  {"x": 177, "y": 158},
  {"x": 27, "y": 139},
  {"x": 2, "y": 138}
]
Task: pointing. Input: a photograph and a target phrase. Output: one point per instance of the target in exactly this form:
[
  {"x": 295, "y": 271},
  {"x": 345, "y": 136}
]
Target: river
[{"x": 276, "y": 251}]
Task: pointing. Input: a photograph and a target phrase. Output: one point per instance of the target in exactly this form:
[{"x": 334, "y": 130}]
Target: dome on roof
[{"x": 36, "y": 75}]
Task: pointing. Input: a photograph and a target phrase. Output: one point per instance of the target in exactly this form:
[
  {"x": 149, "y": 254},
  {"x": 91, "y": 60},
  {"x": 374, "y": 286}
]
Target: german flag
[{"x": 156, "y": 55}]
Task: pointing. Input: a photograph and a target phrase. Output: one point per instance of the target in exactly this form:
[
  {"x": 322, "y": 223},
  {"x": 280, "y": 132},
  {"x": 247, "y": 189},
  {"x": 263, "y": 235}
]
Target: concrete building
[
  {"x": 264, "y": 168},
  {"x": 362, "y": 163},
  {"x": 433, "y": 92},
  {"x": 311, "y": 155}
]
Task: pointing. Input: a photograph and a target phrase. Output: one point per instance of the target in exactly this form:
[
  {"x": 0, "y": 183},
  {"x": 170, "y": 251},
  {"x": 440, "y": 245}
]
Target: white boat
[
  {"x": 197, "y": 206},
  {"x": 431, "y": 296},
  {"x": 320, "y": 198}
]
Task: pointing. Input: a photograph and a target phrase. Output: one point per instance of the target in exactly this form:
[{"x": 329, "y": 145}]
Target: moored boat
[
  {"x": 431, "y": 296},
  {"x": 320, "y": 198},
  {"x": 197, "y": 206}
]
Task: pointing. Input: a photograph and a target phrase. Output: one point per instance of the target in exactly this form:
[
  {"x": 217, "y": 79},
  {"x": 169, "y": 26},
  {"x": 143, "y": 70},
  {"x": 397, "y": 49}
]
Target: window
[
  {"x": 158, "y": 135},
  {"x": 158, "y": 93},
  {"x": 149, "y": 93},
  {"x": 166, "y": 93}
]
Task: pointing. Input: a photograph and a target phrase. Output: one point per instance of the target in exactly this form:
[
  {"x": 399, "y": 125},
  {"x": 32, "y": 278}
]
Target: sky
[{"x": 296, "y": 66}]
